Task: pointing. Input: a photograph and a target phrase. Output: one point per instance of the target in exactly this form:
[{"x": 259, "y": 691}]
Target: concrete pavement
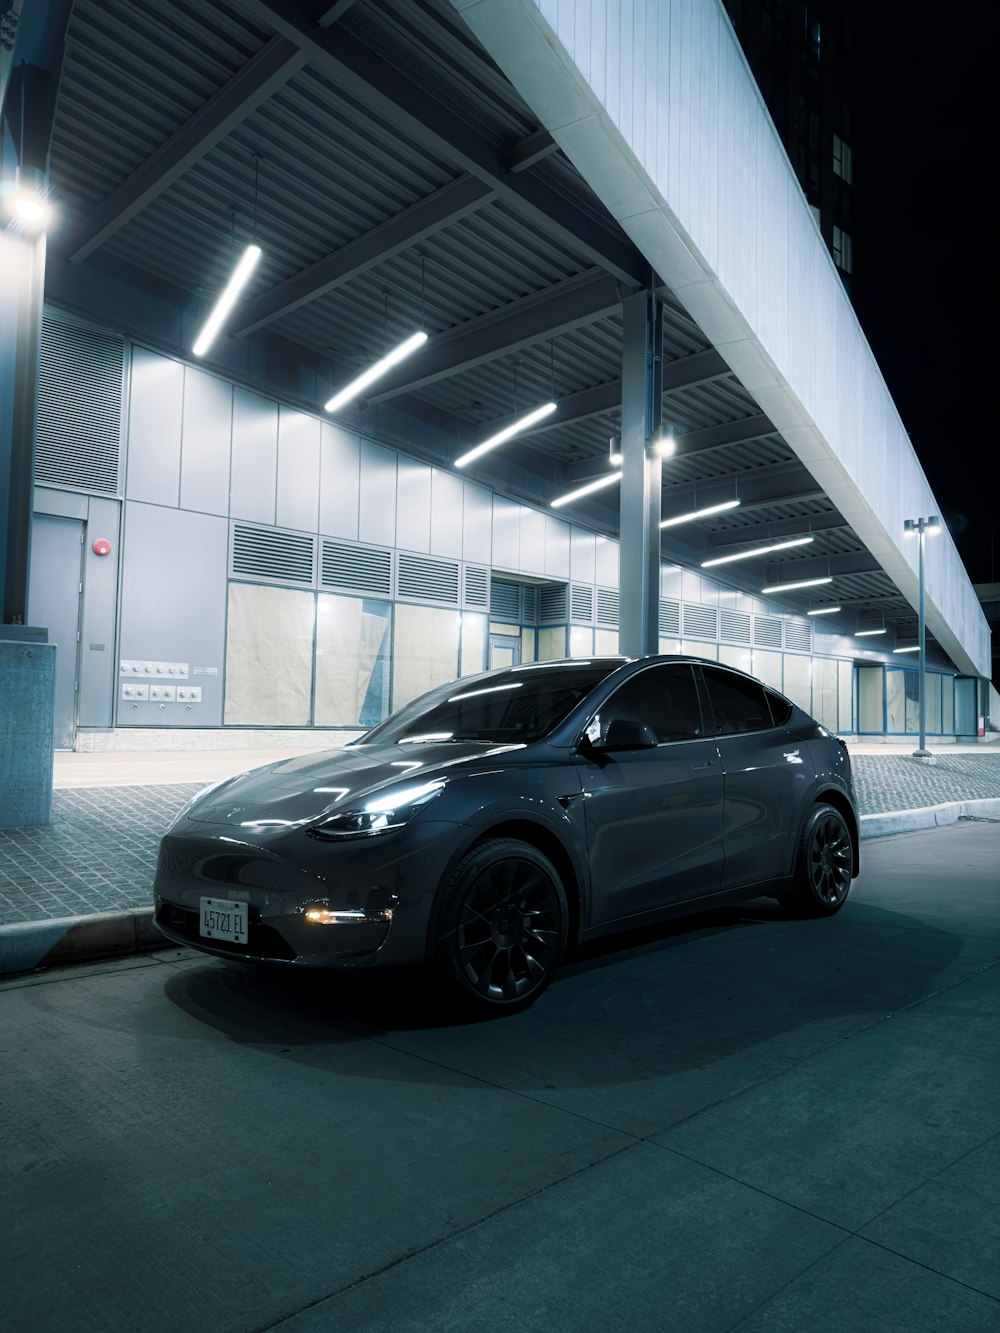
[{"x": 736, "y": 1122}]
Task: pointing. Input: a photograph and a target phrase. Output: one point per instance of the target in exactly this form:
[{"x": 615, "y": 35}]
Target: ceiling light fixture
[
  {"x": 699, "y": 513},
  {"x": 802, "y": 583},
  {"x": 374, "y": 372},
  {"x": 869, "y": 633},
  {"x": 502, "y": 436},
  {"x": 912, "y": 648},
  {"x": 761, "y": 550},
  {"x": 823, "y": 611},
  {"x": 230, "y": 295},
  {"x": 590, "y": 487}
]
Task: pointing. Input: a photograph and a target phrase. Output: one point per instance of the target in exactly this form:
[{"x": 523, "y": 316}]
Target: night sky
[{"x": 924, "y": 286}]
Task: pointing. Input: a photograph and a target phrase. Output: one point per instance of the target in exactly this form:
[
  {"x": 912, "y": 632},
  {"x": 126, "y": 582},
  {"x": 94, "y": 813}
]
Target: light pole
[{"x": 921, "y": 526}]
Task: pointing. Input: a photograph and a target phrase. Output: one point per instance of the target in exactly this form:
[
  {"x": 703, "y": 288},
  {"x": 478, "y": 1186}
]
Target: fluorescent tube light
[
  {"x": 590, "y": 487},
  {"x": 699, "y": 513},
  {"x": 913, "y": 648},
  {"x": 867, "y": 633},
  {"x": 508, "y": 433},
  {"x": 802, "y": 583},
  {"x": 823, "y": 611},
  {"x": 229, "y": 297},
  {"x": 761, "y": 550},
  {"x": 376, "y": 371}
]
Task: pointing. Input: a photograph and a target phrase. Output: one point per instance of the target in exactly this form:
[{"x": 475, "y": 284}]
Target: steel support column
[{"x": 639, "y": 546}]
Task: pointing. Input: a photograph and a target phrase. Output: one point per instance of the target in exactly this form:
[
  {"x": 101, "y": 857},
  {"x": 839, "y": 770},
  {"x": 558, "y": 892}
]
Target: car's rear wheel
[
  {"x": 823, "y": 865},
  {"x": 502, "y": 925}
]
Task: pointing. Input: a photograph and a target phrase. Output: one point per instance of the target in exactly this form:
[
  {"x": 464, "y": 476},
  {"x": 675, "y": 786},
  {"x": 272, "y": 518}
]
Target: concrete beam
[{"x": 785, "y": 527}]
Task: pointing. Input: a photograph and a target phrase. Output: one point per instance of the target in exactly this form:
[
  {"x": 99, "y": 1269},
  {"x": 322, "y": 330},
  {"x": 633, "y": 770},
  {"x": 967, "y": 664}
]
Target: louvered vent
[
  {"x": 700, "y": 622},
  {"x": 273, "y": 555},
  {"x": 358, "y": 568},
  {"x": 607, "y": 606},
  {"x": 581, "y": 603},
  {"x": 670, "y": 618},
  {"x": 529, "y": 601},
  {"x": 427, "y": 580},
  {"x": 734, "y": 626},
  {"x": 767, "y": 632},
  {"x": 476, "y": 587},
  {"x": 79, "y": 408},
  {"x": 552, "y": 604},
  {"x": 505, "y": 602},
  {"x": 798, "y": 635}
]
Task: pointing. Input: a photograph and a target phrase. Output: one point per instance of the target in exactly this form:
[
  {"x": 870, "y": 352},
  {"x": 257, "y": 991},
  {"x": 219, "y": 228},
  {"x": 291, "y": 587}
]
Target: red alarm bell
[{"x": 101, "y": 546}]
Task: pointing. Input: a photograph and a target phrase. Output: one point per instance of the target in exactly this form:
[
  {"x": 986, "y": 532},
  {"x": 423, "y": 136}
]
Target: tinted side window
[
  {"x": 663, "y": 697},
  {"x": 781, "y": 709},
  {"x": 739, "y": 704}
]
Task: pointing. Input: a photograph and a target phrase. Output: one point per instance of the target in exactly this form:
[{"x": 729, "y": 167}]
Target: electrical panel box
[{"x": 162, "y": 670}]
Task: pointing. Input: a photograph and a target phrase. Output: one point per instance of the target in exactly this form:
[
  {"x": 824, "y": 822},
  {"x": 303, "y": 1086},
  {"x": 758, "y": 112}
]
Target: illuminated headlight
[{"x": 389, "y": 810}]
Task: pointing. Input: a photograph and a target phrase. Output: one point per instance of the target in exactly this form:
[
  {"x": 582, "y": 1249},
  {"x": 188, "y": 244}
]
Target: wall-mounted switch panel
[
  {"x": 189, "y": 694},
  {"x": 162, "y": 670},
  {"x": 135, "y": 692},
  {"x": 163, "y": 693}
]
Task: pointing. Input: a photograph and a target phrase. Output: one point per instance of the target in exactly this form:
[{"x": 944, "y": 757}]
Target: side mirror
[{"x": 626, "y": 734}]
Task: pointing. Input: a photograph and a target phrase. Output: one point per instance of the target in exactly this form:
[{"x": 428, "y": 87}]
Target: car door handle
[{"x": 709, "y": 763}]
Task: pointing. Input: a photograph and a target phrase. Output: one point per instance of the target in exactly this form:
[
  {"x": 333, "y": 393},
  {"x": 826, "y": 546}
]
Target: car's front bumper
[{"x": 373, "y": 897}]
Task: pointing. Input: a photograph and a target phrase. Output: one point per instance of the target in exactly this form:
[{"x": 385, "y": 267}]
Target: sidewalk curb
[
  {"x": 927, "y": 816},
  {"x": 29, "y": 945}
]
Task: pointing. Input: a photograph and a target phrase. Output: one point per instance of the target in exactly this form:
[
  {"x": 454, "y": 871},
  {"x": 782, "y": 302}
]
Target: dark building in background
[{"x": 796, "y": 52}]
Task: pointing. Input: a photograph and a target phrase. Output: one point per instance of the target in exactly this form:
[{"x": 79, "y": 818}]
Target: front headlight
[{"x": 389, "y": 810}]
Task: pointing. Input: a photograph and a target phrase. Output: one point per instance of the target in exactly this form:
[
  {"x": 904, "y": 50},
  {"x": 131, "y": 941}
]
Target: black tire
[
  {"x": 502, "y": 926},
  {"x": 824, "y": 859}
]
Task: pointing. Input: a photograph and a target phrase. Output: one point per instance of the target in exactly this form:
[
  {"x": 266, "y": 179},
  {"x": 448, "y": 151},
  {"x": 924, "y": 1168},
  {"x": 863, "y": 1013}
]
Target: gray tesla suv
[{"x": 496, "y": 822}]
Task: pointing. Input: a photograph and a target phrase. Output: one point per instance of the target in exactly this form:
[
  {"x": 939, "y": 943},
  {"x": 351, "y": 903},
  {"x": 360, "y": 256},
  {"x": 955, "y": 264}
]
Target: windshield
[{"x": 516, "y": 705}]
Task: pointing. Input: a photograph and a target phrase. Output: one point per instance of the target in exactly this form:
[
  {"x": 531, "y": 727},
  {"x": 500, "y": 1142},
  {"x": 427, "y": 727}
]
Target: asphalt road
[{"x": 736, "y": 1121}]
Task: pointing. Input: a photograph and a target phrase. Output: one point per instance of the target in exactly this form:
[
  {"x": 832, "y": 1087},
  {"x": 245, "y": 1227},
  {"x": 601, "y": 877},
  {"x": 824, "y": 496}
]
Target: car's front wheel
[
  {"x": 502, "y": 925},
  {"x": 823, "y": 865}
]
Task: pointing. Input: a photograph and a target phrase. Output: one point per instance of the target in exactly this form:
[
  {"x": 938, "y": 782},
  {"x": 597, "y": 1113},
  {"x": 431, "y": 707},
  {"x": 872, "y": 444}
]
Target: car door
[
  {"x": 653, "y": 816},
  {"x": 767, "y": 776}
]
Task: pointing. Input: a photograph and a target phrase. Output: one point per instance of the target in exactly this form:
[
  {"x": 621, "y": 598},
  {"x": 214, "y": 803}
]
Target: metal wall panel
[
  {"x": 607, "y": 563},
  {"x": 206, "y": 442},
  {"x": 532, "y": 552},
  {"x": 377, "y": 495},
  {"x": 477, "y": 524},
  {"x": 583, "y": 559},
  {"x": 255, "y": 457},
  {"x": 446, "y": 514},
  {"x": 413, "y": 506},
  {"x": 154, "y": 428},
  {"x": 557, "y": 539},
  {"x": 98, "y": 638},
  {"x": 340, "y": 473},
  {"x": 297, "y": 501},
  {"x": 506, "y": 534},
  {"x": 174, "y": 608}
]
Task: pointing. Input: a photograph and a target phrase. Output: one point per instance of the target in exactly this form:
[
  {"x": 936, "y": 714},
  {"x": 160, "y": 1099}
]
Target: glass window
[
  {"x": 474, "y": 643},
  {"x": 933, "y": 709},
  {"x": 948, "y": 705},
  {"x": 352, "y": 661},
  {"x": 798, "y": 680},
  {"x": 581, "y": 641},
  {"x": 519, "y": 704},
  {"x": 552, "y": 643},
  {"x": 781, "y": 708},
  {"x": 902, "y": 701},
  {"x": 845, "y": 697},
  {"x": 269, "y": 655},
  {"x": 664, "y": 698},
  {"x": 824, "y": 707},
  {"x": 739, "y": 704},
  {"x": 871, "y": 719},
  {"x": 606, "y": 641},
  {"x": 767, "y": 667},
  {"x": 425, "y": 651},
  {"x": 740, "y": 658}
]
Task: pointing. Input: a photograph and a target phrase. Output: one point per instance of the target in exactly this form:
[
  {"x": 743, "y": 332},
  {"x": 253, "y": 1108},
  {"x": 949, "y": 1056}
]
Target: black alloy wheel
[
  {"x": 503, "y": 925},
  {"x": 823, "y": 865}
]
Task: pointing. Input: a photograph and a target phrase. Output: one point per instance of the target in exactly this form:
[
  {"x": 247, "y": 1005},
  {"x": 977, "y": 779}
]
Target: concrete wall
[{"x": 654, "y": 103}]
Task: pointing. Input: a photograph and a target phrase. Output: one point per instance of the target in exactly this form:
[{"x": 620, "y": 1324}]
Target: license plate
[{"x": 222, "y": 919}]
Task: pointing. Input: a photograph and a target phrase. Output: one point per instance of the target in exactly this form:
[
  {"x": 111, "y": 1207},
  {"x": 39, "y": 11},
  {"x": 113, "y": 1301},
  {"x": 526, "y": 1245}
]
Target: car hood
[{"x": 298, "y": 791}]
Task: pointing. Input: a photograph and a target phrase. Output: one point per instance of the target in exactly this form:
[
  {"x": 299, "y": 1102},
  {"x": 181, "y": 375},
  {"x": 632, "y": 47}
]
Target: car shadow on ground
[{"x": 673, "y": 997}]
